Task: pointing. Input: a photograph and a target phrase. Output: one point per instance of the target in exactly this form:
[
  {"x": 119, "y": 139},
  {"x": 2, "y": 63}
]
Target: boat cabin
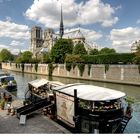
[
  {"x": 90, "y": 109},
  {"x": 8, "y": 82},
  {"x": 40, "y": 89}
]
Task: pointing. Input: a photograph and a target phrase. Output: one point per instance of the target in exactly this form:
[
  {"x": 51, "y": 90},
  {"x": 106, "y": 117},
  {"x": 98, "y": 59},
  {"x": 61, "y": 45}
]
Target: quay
[{"x": 37, "y": 123}]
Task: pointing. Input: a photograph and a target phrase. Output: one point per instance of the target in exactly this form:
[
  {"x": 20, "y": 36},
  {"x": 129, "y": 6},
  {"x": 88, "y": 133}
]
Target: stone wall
[{"x": 127, "y": 74}]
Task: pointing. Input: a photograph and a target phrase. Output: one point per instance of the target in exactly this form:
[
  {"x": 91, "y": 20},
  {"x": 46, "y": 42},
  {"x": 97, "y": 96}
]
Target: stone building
[
  {"x": 42, "y": 41},
  {"x": 134, "y": 46}
]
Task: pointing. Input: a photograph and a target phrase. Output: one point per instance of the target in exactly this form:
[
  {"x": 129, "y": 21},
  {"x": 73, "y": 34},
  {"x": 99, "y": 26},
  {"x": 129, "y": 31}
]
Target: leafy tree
[
  {"x": 94, "y": 52},
  {"x": 107, "y": 51},
  {"x": 79, "y": 49},
  {"x": 6, "y": 55},
  {"x": 60, "y": 49},
  {"x": 25, "y": 57},
  {"x": 136, "y": 60},
  {"x": 46, "y": 58}
]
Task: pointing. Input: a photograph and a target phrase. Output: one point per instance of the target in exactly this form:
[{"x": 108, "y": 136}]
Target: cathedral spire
[{"x": 61, "y": 31}]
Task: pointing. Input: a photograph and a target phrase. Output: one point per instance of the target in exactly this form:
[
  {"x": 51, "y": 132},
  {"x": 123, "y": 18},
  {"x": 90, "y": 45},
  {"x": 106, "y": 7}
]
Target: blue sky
[{"x": 106, "y": 23}]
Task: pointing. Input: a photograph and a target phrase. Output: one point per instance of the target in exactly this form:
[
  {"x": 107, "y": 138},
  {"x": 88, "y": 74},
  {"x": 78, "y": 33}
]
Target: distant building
[
  {"x": 43, "y": 41},
  {"x": 135, "y": 46}
]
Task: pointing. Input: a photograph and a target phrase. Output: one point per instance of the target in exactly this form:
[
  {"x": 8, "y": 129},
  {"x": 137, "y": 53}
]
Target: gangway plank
[{"x": 33, "y": 107}]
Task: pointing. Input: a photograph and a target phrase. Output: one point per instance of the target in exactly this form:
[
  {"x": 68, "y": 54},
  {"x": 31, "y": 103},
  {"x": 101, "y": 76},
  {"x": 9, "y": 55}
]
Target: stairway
[{"x": 123, "y": 124}]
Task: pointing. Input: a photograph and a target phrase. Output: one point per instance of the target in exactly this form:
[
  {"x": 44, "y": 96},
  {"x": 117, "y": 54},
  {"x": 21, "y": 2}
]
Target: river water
[{"x": 132, "y": 92}]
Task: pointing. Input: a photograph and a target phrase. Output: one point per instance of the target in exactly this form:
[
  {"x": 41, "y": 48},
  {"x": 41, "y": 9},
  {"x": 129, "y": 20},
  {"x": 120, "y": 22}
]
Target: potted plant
[{"x": 2, "y": 104}]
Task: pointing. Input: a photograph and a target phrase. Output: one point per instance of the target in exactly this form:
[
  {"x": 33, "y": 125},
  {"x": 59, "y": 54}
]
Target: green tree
[
  {"x": 26, "y": 57},
  {"x": 60, "y": 49},
  {"x": 79, "y": 49},
  {"x": 136, "y": 60},
  {"x": 46, "y": 58},
  {"x": 6, "y": 55},
  {"x": 107, "y": 51},
  {"x": 93, "y": 52}
]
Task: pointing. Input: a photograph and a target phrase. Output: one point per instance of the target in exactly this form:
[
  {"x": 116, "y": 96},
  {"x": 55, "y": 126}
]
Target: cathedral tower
[{"x": 36, "y": 39}]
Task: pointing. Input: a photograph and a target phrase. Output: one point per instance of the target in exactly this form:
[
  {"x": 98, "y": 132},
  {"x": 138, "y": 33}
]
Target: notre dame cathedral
[{"x": 43, "y": 42}]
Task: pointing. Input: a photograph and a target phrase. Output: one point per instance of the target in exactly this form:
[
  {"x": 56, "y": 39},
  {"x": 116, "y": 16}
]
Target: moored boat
[
  {"x": 92, "y": 109},
  {"x": 84, "y": 108},
  {"x": 8, "y": 82},
  {"x": 40, "y": 89}
]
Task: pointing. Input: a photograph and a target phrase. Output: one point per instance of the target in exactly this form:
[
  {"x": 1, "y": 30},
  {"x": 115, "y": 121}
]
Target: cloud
[
  {"x": 122, "y": 39},
  {"x": 16, "y": 43},
  {"x": 47, "y": 12},
  {"x": 12, "y": 30},
  {"x": 4, "y": 46},
  {"x": 13, "y": 49}
]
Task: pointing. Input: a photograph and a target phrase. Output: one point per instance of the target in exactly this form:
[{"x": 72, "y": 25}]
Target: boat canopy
[
  {"x": 7, "y": 77},
  {"x": 90, "y": 92},
  {"x": 41, "y": 82},
  {"x": 38, "y": 83}
]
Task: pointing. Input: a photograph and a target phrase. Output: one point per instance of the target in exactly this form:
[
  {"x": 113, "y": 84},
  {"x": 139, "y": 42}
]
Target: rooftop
[{"x": 90, "y": 92}]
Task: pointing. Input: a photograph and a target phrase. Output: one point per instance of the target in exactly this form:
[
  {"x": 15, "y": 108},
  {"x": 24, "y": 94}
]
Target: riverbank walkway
[{"x": 36, "y": 124}]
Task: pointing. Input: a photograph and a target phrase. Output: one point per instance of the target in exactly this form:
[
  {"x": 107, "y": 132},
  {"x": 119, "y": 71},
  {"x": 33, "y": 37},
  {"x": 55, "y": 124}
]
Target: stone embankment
[{"x": 124, "y": 74}]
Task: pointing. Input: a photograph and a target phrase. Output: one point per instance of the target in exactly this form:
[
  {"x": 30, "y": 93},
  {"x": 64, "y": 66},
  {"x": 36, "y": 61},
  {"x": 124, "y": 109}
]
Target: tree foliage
[
  {"x": 46, "y": 58},
  {"x": 136, "y": 60},
  {"x": 79, "y": 49},
  {"x": 6, "y": 55},
  {"x": 26, "y": 57},
  {"x": 107, "y": 51},
  {"x": 94, "y": 52},
  {"x": 60, "y": 49}
]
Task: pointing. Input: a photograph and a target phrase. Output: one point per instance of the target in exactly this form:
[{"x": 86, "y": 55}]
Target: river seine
[{"x": 133, "y": 92}]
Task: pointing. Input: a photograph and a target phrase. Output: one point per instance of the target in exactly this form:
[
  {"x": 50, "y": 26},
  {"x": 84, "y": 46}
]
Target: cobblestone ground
[{"x": 36, "y": 124}]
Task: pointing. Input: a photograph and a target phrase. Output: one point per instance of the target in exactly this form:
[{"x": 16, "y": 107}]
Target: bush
[
  {"x": 89, "y": 68},
  {"x": 116, "y": 58},
  {"x": 81, "y": 67},
  {"x": 68, "y": 66},
  {"x": 36, "y": 67},
  {"x": 22, "y": 67},
  {"x": 51, "y": 68}
]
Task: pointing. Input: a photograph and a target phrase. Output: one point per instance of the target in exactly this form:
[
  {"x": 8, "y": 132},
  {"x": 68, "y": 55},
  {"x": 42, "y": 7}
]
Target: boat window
[
  {"x": 106, "y": 105},
  {"x": 85, "y": 104}
]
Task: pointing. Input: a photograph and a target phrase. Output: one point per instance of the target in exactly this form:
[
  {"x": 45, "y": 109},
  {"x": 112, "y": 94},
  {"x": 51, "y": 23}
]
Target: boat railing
[{"x": 102, "y": 113}]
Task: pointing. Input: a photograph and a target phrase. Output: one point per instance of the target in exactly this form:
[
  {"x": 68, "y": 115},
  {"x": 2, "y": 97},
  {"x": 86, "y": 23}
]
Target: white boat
[{"x": 91, "y": 109}]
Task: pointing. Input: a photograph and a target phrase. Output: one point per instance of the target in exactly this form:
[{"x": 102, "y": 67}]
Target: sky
[{"x": 105, "y": 23}]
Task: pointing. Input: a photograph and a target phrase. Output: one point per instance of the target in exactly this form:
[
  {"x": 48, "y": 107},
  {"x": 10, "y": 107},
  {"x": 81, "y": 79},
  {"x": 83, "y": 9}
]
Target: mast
[{"x": 61, "y": 31}]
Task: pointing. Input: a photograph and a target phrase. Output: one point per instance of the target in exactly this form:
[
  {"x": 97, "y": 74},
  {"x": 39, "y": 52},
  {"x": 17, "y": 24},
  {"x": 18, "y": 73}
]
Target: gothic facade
[{"x": 43, "y": 41}]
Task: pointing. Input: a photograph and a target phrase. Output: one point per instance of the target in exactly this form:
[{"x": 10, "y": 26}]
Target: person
[{"x": 9, "y": 109}]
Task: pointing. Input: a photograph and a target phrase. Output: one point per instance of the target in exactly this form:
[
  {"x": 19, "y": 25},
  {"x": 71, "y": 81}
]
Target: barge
[{"x": 83, "y": 108}]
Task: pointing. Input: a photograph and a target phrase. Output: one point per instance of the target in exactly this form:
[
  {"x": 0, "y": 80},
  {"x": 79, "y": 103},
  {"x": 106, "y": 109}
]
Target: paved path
[
  {"x": 37, "y": 123},
  {"x": 34, "y": 125}
]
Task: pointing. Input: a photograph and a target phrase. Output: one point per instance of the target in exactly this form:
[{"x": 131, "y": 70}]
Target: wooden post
[
  {"x": 76, "y": 113},
  {"x": 75, "y": 102}
]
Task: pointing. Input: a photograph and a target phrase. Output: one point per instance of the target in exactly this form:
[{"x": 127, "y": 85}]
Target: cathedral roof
[{"x": 76, "y": 34}]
